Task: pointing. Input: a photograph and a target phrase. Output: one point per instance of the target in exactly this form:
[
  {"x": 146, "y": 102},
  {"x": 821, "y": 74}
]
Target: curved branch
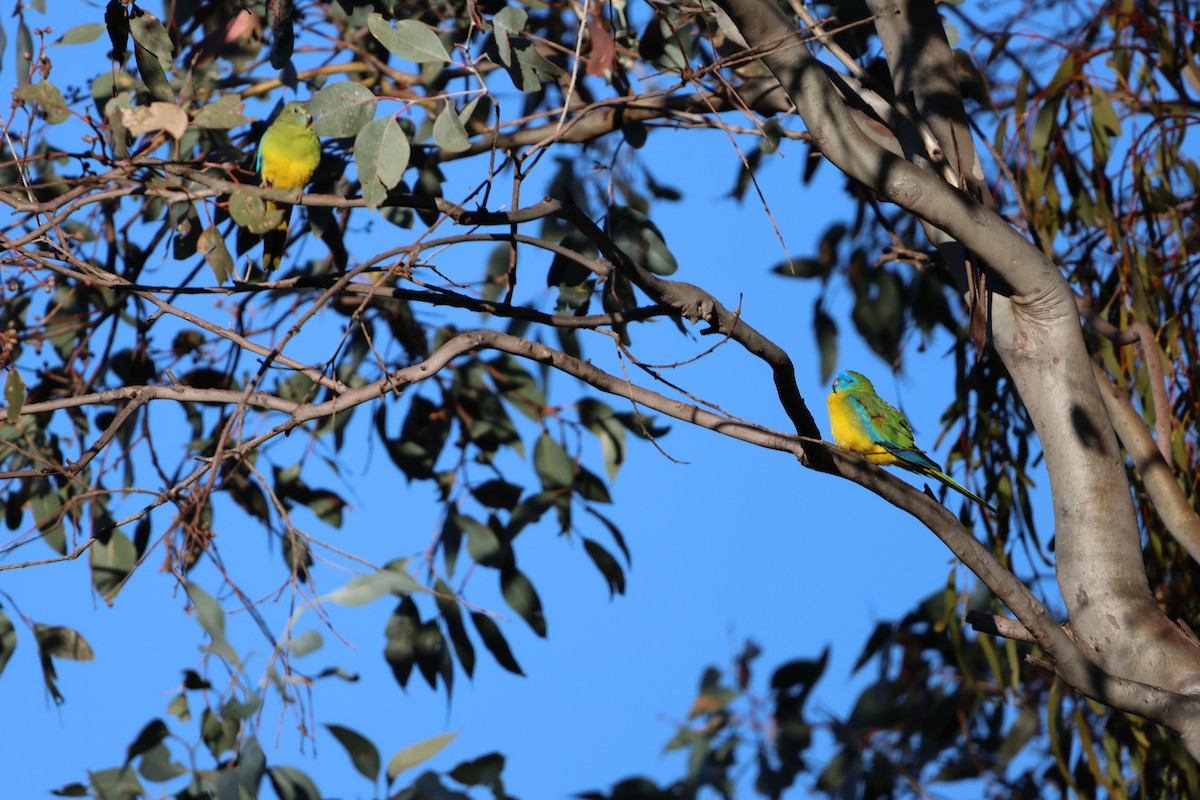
[
  {"x": 1036, "y": 332},
  {"x": 689, "y": 301},
  {"x": 1169, "y": 501},
  {"x": 841, "y": 140},
  {"x": 1175, "y": 709}
]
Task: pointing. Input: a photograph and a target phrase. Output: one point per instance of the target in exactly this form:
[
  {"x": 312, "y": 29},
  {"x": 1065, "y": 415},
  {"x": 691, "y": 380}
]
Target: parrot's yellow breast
[
  {"x": 850, "y": 430},
  {"x": 288, "y": 170}
]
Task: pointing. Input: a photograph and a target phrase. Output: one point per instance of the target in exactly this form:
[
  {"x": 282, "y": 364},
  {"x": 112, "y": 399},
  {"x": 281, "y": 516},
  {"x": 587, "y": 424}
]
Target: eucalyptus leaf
[
  {"x": 408, "y": 39},
  {"x": 341, "y": 109},
  {"x": 381, "y": 153}
]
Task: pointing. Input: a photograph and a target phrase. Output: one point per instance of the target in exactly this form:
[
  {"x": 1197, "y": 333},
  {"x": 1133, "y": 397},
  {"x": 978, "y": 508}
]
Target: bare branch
[{"x": 1169, "y": 501}]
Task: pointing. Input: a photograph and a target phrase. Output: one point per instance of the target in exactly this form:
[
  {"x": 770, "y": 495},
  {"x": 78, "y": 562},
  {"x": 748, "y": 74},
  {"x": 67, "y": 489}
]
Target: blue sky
[{"x": 735, "y": 543}]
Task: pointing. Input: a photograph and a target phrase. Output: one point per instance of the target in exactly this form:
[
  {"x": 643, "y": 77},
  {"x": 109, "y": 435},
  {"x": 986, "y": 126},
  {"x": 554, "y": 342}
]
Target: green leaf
[
  {"x": 482, "y": 771},
  {"x": 827, "y": 342},
  {"x": 601, "y": 420},
  {"x": 47, "y": 508},
  {"x": 590, "y": 486},
  {"x": 554, "y": 467},
  {"x": 8, "y": 640},
  {"x": 529, "y": 68},
  {"x": 797, "y": 267},
  {"x": 71, "y": 791},
  {"x": 113, "y": 557},
  {"x": 62, "y": 642},
  {"x": 116, "y": 784},
  {"x": 251, "y": 767},
  {"x": 296, "y": 388},
  {"x": 433, "y": 657},
  {"x": 223, "y": 113},
  {"x": 495, "y": 642},
  {"x": 82, "y": 34},
  {"x": 417, "y": 754},
  {"x": 363, "y": 754},
  {"x": 235, "y": 709},
  {"x": 450, "y": 541},
  {"x": 422, "y": 437},
  {"x": 148, "y": 31},
  {"x": 292, "y": 784},
  {"x": 448, "y": 131},
  {"x": 250, "y": 212},
  {"x": 116, "y": 134},
  {"x": 530, "y": 510},
  {"x": 23, "y": 51},
  {"x": 511, "y": 19},
  {"x": 365, "y": 589},
  {"x": 209, "y": 613},
  {"x": 508, "y": 21},
  {"x": 635, "y": 133},
  {"x": 342, "y": 109},
  {"x": 305, "y": 643},
  {"x": 153, "y": 733},
  {"x": 614, "y": 531},
  {"x": 800, "y": 674},
  {"x": 153, "y": 52},
  {"x": 495, "y": 278},
  {"x": 117, "y": 22},
  {"x": 523, "y": 598},
  {"x": 401, "y": 633},
  {"x": 156, "y": 765},
  {"x": 516, "y": 384},
  {"x": 498, "y": 493},
  {"x": 14, "y": 394},
  {"x": 452, "y": 615},
  {"x": 178, "y": 707},
  {"x": 219, "y": 735},
  {"x": 408, "y": 39},
  {"x": 1045, "y": 125},
  {"x": 46, "y": 96},
  {"x": 637, "y": 235},
  {"x": 566, "y": 271},
  {"x": 482, "y": 543},
  {"x": 381, "y": 153},
  {"x": 212, "y": 244},
  {"x": 609, "y": 567},
  {"x": 326, "y": 505}
]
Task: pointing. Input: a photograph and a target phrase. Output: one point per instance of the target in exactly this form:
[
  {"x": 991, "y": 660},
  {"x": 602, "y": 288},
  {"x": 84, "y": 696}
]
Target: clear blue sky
[{"x": 735, "y": 543}]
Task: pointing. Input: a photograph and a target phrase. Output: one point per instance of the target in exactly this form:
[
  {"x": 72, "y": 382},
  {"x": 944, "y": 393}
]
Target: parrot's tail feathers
[
  {"x": 964, "y": 491},
  {"x": 914, "y": 459},
  {"x": 275, "y": 240}
]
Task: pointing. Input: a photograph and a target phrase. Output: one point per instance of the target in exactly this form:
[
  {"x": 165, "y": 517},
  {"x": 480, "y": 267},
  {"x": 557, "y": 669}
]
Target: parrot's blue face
[{"x": 849, "y": 381}]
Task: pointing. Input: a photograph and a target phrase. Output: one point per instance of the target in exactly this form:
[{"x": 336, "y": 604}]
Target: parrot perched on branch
[
  {"x": 287, "y": 157},
  {"x": 863, "y": 422}
]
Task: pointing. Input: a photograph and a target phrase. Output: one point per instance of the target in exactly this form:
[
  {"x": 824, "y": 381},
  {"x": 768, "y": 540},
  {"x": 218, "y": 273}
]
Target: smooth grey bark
[{"x": 1126, "y": 654}]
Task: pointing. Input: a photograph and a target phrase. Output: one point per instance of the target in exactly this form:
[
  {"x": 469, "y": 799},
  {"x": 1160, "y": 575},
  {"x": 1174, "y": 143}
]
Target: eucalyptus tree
[{"x": 1028, "y": 193}]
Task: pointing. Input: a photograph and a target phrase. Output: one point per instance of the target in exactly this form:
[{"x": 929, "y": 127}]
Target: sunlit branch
[{"x": 1168, "y": 499}]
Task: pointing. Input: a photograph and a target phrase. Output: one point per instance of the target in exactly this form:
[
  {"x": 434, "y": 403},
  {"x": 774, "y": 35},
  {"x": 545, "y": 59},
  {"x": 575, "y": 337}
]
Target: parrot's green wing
[
  {"x": 893, "y": 432},
  {"x": 888, "y": 425}
]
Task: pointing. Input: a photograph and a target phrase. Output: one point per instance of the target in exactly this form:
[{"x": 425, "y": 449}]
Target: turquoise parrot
[
  {"x": 863, "y": 422},
  {"x": 287, "y": 157}
]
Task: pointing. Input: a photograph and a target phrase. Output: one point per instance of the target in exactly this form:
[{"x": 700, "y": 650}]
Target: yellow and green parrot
[
  {"x": 287, "y": 157},
  {"x": 863, "y": 422}
]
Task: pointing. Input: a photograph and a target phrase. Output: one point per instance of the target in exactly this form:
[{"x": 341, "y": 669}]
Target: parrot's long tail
[
  {"x": 274, "y": 240},
  {"x": 958, "y": 487}
]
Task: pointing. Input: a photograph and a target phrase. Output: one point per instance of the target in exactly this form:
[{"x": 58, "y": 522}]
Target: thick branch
[
  {"x": 1036, "y": 333},
  {"x": 844, "y": 143},
  {"x": 1169, "y": 501}
]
